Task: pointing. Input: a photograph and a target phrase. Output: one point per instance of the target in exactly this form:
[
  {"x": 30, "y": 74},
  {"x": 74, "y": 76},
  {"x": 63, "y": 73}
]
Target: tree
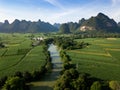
[
  {"x": 114, "y": 85},
  {"x": 96, "y": 86},
  {"x": 2, "y": 45},
  {"x": 79, "y": 84},
  {"x": 49, "y": 66},
  {"x": 27, "y": 76},
  {"x": 2, "y": 80},
  {"x": 74, "y": 73},
  {"x": 14, "y": 83},
  {"x": 36, "y": 75},
  {"x": 19, "y": 74}
]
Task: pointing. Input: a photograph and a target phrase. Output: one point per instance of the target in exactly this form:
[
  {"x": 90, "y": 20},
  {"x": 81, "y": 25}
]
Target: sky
[{"x": 57, "y": 11}]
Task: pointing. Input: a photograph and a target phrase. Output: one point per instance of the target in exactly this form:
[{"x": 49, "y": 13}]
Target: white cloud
[
  {"x": 62, "y": 15},
  {"x": 55, "y": 3},
  {"x": 114, "y": 14},
  {"x": 5, "y": 15},
  {"x": 114, "y": 2}
]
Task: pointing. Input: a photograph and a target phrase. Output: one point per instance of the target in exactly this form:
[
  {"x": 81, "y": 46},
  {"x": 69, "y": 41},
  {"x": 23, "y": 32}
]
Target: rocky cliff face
[{"x": 85, "y": 28}]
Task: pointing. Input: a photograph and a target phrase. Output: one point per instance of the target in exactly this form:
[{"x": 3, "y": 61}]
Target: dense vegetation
[
  {"x": 73, "y": 78},
  {"x": 69, "y": 43},
  {"x": 2, "y": 45},
  {"x": 14, "y": 83}
]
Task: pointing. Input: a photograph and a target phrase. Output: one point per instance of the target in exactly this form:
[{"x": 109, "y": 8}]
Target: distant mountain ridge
[
  {"x": 26, "y": 26},
  {"x": 57, "y": 25},
  {"x": 100, "y": 22}
]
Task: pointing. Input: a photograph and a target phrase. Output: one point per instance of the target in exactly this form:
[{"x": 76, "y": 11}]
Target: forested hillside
[
  {"x": 26, "y": 26},
  {"x": 97, "y": 23}
]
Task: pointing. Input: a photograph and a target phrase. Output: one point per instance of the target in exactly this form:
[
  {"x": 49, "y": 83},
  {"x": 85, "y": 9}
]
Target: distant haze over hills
[
  {"x": 26, "y": 26},
  {"x": 100, "y": 22},
  {"x": 57, "y": 25}
]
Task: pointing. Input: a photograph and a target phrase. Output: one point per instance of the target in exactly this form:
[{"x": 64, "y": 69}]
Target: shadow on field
[
  {"x": 41, "y": 88},
  {"x": 51, "y": 76}
]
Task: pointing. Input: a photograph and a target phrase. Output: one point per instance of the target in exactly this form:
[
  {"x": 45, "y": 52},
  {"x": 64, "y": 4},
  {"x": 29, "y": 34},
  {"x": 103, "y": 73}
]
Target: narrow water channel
[
  {"x": 47, "y": 83},
  {"x": 54, "y": 53}
]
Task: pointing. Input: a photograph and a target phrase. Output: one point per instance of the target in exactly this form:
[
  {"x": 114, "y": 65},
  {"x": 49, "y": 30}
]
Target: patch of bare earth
[{"x": 111, "y": 39}]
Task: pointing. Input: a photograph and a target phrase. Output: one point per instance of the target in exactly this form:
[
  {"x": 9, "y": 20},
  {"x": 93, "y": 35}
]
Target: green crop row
[
  {"x": 101, "y": 59},
  {"x": 19, "y": 55}
]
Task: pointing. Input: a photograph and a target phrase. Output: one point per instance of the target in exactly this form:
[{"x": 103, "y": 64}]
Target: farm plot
[
  {"x": 9, "y": 61},
  {"x": 19, "y": 55},
  {"x": 33, "y": 60},
  {"x": 2, "y": 51},
  {"x": 100, "y": 59}
]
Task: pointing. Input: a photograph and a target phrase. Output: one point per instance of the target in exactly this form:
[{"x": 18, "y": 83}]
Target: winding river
[
  {"x": 47, "y": 83},
  {"x": 54, "y": 53}
]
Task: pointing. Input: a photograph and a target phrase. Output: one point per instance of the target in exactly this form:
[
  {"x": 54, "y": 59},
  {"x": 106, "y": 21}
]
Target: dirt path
[{"x": 47, "y": 83}]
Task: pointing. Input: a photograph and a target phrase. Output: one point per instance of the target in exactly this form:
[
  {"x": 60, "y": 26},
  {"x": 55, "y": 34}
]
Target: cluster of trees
[
  {"x": 2, "y": 45},
  {"x": 15, "y": 83},
  {"x": 69, "y": 44},
  {"x": 65, "y": 58},
  {"x": 72, "y": 80},
  {"x": 18, "y": 79}
]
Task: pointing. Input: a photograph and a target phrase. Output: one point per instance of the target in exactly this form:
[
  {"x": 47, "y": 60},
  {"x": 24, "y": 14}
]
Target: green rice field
[
  {"x": 19, "y": 55},
  {"x": 101, "y": 59}
]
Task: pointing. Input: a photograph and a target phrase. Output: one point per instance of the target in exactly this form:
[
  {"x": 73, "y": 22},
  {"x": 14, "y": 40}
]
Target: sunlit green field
[
  {"x": 19, "y": 55},
  {"x": 101, "y": 59}
]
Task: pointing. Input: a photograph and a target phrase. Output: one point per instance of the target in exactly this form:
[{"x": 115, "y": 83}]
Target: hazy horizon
[{"x": 57, "y": 11}]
